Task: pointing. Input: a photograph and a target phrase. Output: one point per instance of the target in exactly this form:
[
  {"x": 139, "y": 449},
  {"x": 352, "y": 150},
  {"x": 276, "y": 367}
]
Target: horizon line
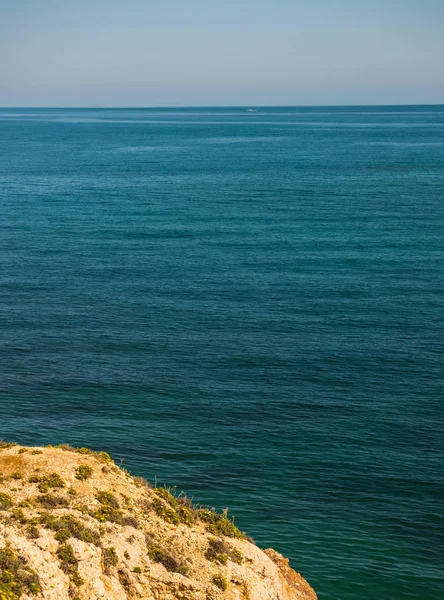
[{"x": 160, "y": 106}]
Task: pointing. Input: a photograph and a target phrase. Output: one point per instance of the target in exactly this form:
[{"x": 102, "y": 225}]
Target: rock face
[{"x": 75, "y": 526}]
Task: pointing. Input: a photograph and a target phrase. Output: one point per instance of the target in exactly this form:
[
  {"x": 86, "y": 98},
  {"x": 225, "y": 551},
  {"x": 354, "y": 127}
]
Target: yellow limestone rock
[{"x": 75, "y": 526}]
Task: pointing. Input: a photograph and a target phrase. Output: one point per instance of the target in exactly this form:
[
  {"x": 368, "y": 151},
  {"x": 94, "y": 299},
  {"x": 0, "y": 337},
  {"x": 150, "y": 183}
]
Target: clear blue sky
[{"x": 224, "y": 52}]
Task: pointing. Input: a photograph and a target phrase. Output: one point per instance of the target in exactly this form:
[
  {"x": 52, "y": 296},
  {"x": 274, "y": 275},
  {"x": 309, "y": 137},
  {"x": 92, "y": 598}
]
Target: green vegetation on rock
[
  {"x": 5, "y": 445},
  {"x": 16, "y": 578},
  {"x": 219, "y": 523},
  {"x": 220, "y": 551},
  {"x": 69, "y": 563},
  {"x": 83, "y": 472},
  {"x": 109, "y": 510},
  {"x": 159, "y": 555},
  {"x": 221, "y": 582},
  {"x": 47, "y": 482},
  {"x": 50, "y": 501},
  {"x": 109, "y": 558},
  {"x": 5, "y": 501},
  {"x": 179, "y": 509},
  {"x": 68, "y": 526}
]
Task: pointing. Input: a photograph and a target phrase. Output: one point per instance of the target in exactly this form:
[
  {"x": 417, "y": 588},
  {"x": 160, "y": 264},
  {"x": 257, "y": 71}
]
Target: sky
[{"x": 221, "y": 53}]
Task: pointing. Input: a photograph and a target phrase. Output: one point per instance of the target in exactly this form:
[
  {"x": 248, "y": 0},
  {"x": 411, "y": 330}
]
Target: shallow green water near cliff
[{"x": 248, "y": 306}]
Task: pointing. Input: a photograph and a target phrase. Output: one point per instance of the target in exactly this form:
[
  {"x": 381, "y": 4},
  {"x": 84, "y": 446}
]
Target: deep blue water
[{"x": 247, "y": 305}]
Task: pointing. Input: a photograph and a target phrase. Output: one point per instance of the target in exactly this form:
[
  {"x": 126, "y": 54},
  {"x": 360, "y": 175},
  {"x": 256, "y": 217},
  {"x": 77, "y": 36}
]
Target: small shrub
[
  {"x": 76, "y": 579},
  {"x": 165, "y": 494},
  {"x": 107, "y": 499},
  {"x": 159, "y": 555},
  {"x": 221, "y": 582},
  {"x": 83, "y": 472},
  {"x": 23, "y": 450},
  {"x": 167, "y": 513},
  {"x": 5, "y": 501},
  {"x": 36, "y": 451},
  {"x": 215, "y": 547},
  {"x": 16, "y": 578},
  {"x": 180, "y": 504},
  {"x": 221, "y": 558},
  {"x": 87, "y": 535},
  {"x": 142, "y": 482},
  {"x": 237, "y": 556},
  {"x": 220, "y": 551},
  {"x": 108, "y": 511},
  {"x": 109, "y": 558},
  {"x": 32, "y": 532},
  {"x": 46, "y": 482},
  {"x": 6, "y": 445},
  {"x": 129, "y": 521},
  {"x": 49, "y": 501},
  {"x": 127, "y": 501},
  {"x": 16, "y": 476},
  {"x": 5, "y": 592},
  {"x": 185, "y": 515},
  {"x": 104, "y": 456},
  {"x": 66, "y": 555},
  {"x": 19, "y": 516},
  {"x": 220, "y": 524},
  {"x": 155, "y": 553},
  {"x": 68, "y": 526},
  {"x": 69, "y": 563},
  {"x": 176, "y": 501},
  {"x": 63, "y": 535},
  {"x": 137, "y": 570}
]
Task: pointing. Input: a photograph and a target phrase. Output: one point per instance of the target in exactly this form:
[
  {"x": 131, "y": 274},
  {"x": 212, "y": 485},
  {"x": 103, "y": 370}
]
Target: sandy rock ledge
[{"x": 75, "y": 526}]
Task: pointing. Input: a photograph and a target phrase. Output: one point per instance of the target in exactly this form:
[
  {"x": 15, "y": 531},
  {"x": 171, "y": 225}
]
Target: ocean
[{"x": 248, "y": 306}]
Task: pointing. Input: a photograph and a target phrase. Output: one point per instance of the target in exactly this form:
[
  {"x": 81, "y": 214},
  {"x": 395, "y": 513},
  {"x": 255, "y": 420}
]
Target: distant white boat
[{"x": 251, "y": 110}]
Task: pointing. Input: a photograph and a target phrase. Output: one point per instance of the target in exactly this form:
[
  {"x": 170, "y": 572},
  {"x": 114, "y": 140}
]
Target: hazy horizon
[
  {"x": 148, "y": 54},
  {"x": 212, "y": 106}
]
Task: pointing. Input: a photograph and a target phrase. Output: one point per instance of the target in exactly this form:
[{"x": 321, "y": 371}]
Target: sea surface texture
[{"x": 247, "y": 305}]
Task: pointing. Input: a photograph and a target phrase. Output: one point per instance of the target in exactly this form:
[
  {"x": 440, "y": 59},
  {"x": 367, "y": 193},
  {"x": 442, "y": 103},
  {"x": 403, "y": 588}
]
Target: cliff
[{"x": 75, "y": 526}]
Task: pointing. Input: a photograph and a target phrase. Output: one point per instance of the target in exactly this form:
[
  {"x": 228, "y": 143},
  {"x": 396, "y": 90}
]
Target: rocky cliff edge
[{"x": 75, "y": 526}]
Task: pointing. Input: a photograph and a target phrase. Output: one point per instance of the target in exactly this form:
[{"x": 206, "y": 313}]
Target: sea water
[{"x": 248, "y": 306}]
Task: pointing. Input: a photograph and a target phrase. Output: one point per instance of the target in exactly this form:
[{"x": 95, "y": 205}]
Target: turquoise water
[{"x": 247, "y": 305}]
